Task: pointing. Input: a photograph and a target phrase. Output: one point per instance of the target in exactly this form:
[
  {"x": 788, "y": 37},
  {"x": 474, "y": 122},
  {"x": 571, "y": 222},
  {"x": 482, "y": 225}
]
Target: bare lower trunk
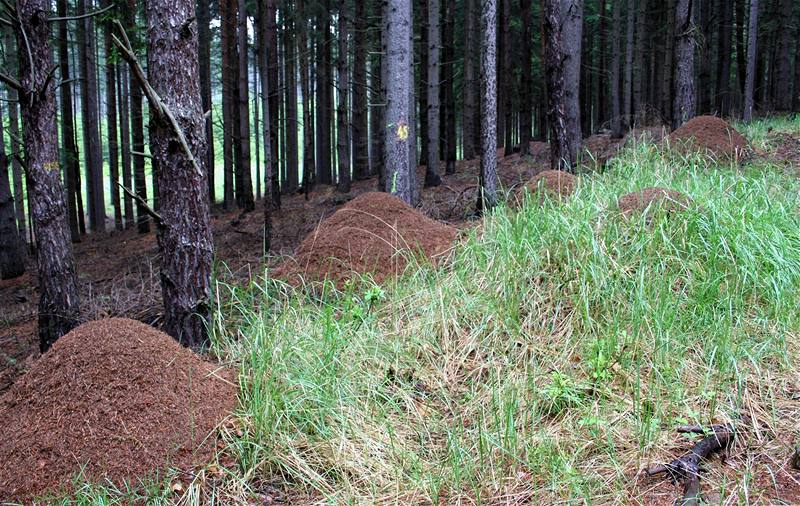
[
  {"x": 184, "y": 234},
  {"x": 562, "y": 42},
  {"x": 683, "y": 105},
  {"x": 487, "y": 194},
  {"x": 783, "y": 62},
  {"x": 433, "y": 51},
  {"x": 526, "y": 93},
  {"x": 111, "y": 124},
  {"x": 448, "y": 74},
  {"x": 292, "y": 179},
  {"x": 137, "y": 136},
  {"x": 616, "y": 56},
  {"x": 12, "y": 252},
  {"x": 71, "y": 163},
  {"x": 399, "y": 139},
  {"x": 723, "y": 102},
  {"x": 343, "y": 124},
  {"x": 58, "y": 302},
  {"x": 470, "y": 95},
  {"x": 125, "y": 143},
  {"x": 266, "y": 88},
  {"x": 305, "y": 89},
  {"x": 752, "y": 52},
  {"x": 360, "y": 129},
  {"x": 204, "y": 56},
  {"x": 244, "y": 181}
]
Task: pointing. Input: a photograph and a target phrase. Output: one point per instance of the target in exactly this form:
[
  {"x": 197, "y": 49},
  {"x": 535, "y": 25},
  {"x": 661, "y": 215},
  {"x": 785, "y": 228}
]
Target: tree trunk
[
  {"x": 12, "y": 252},
  {"x": 505, "y": 58},
  {"x": 627, "y": 84},
  {"x": 184, "y": 234},
  {"x": 526, "y": 92},
  {"x": 562, "y": 21},
  {"x": 58, "y": 302},
  {"x": 262, "y": 30},
  {"x": 292, "y": 180},
  {"x": 616, "y": 56},
  {"x": 703, "y": 87},
  {"x": 640, "y": 74},
  {"x": 227, "y": 11},
  {"x": 378, "y": 95},
  {"x": 137, "y": 133},
  {"x": 683, "y": 86},
  {"x": 602, "y": 92},
  {"x": 305, "y": 89},
  {"x": 783, "y": 61},
  {"x": 669, "y": 67},
  {"x": 796, "y": 88},
  {"x": 741, "y": 50},
  {"x": 13, "y": 129},
  {"x": 204, "y": 55},
  {"x": 343, "y": 124},
  {"x": 324, "y": 175},
  {"x": 244, "y": 179},
  {"x": 125, "y": 144},
  {"x": 91, "y": 119},
  {"x": 274, "y": 100},
  {"x": 723, "y": 102},
  {"x": 487, "y": 194},
  {"x": 470, "y": 117},
  {"x": 111, "y": 120},
  {"x": 360, "y": 129},
  {"x": 448, "y": 73},
  {"x": 752, "y": 52},
  {"x": 71, "y": 162},
  {"x": 399, "y": 60},
  {"x": 433, "y": 82}
]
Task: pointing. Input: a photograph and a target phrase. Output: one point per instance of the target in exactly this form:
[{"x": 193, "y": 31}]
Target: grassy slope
[{"x": 551, "y": 360}]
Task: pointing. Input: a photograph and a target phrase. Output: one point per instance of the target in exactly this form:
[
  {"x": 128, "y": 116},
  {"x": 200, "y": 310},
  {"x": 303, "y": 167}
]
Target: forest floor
[{"x": 550, "y": 362}]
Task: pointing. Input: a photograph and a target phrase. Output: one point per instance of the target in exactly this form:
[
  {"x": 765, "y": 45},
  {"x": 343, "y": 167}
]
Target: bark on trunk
[
  {"x": 470, "y": 117},
  {"x": 13, "y": 129},
  {"x": 324, "y": 175},
  {"x": 266, "y": 87},
  {"x": 184, "y": 235},
  {"x": 616, "y": 56},
  {"x": 562, "y": 21},
  {"x": 204, "y": 55},
  {"x": 92, "y": 150},
  {"x": 58, "y": 302},
  {"x": 111, "y": 123},
  {"x": 399, "y": 59},
  {"x": 292, "y": 179},
  {"x": 487, "y": 194},
  {"x": 505, "y": 58},
  {"x": 125, "y": 143},
  {"x": 360, "y": 129},
  {"x": 723, "y": 102},
  {"x": 640, "y": 76},
  {"x": 342, "y": 118},
  {"x": 244, "y": 180},
  {"x": 137, "y": 134},
  {"x": 526, "y": 93},
  {"x": 227, "y": 10},
  {"x": 627, "y": 84},
  {"x": 378, "y": 95},
  {"x": 433, "y": 82},
  {"x": 70, "y": 157},
  {"x": 783, "y": 61},
  {"x": 683, "y": 105},
  {"x": 752, "y": 52},
  {"x": 274, "y": 100},
  {"x": 448, "y": 73},
  {"x": 12, "y": 253},
  {"x": 308, "y": 113}
]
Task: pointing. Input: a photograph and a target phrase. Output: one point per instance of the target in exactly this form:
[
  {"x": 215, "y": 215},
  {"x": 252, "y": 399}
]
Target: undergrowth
[{"x": 549, "y": 361}]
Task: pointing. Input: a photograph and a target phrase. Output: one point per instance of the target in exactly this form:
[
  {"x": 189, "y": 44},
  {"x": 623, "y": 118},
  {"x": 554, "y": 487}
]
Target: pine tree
[
  {"x": 487, "y": 194},
  {"x": 752, "y": 52},
  {"x": 433, "y": 82},
  {"x": 683, "y": 105}
]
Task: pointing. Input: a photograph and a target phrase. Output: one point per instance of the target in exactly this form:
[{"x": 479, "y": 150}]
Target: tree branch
[
  {"x": 159, "y": 107},
  {"x": 11, "y": 81},
  {"x": 82, "y": 16},
  {"x": 142, "y": 202}
]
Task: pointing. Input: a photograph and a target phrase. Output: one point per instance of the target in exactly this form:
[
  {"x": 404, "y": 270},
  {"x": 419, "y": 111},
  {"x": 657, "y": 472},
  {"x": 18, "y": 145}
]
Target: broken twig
[{"x": 687, "y": 468}]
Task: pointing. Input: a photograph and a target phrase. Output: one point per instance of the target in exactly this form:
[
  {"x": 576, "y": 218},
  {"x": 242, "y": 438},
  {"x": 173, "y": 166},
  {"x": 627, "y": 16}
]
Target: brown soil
[
  {"x": 552, "y": 183},
  {"x": 370, "y": 234},
  {"x": 650, "y": 199},
  {"x": 710, "y": 134},
  {"x": 116, "y": 396}
]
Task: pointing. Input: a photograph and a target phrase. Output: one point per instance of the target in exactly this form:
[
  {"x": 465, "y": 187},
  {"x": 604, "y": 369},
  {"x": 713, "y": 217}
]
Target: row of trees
[{"x": 321, "y": 92}]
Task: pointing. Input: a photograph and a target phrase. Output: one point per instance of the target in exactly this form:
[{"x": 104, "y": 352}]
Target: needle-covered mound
[
  {"x": 555, "y": 184},
  {"x": 652, "y": 200},
  {"x": 372, "y": 234},
  {"x": 115, "y": 398},
  {"x": 712, "y": 135}
]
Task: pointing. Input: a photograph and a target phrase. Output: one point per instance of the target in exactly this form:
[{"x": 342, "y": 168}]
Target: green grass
[{"x": 551, "y": 359}]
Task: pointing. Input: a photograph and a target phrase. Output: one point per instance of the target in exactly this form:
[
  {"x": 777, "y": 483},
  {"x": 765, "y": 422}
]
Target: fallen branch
[
  {"x": 142, "y": 202},
  {"x": 687, "y": 468}
]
